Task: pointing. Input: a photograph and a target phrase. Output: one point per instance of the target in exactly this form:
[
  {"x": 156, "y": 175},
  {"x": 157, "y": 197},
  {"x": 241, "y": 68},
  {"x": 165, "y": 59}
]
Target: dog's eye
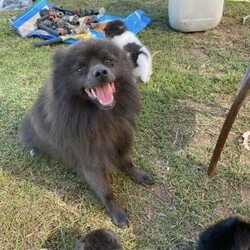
[
  {"x": 82, "y": 69},
  {"x": 109, "y": 62}
]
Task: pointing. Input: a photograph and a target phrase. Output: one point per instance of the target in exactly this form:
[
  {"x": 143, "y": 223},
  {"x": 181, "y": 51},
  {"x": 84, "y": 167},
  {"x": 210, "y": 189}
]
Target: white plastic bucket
[{"x": 194, "y": 15}]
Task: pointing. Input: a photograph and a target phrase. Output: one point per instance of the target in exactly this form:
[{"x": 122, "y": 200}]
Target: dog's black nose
[{"x": 100, "y": 73}]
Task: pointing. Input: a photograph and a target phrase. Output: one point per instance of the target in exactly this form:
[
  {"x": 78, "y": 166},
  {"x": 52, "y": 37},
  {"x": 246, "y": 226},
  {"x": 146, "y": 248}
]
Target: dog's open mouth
[{"x": 103, "y": 94}]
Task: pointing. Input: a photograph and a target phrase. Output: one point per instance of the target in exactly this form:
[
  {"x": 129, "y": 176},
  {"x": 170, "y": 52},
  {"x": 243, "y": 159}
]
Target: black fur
[
  {"x": 115, "y": 28},
  {"x": 68, "y": 124},
  {"x": 99, "y": 239},
  {"x": 134, "y": 51},
  {"x": 229, "y": 234}
]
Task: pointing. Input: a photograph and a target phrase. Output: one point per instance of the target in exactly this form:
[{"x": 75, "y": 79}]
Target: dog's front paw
[
  {"x": 119, "y": 217},
  {"x": 146, "y": 179},
  {"x": 141, "y": 177}
]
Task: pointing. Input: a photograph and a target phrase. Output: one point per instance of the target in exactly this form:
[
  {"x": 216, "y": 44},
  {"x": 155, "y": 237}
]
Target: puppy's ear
[{"x": 59, "y": 55}]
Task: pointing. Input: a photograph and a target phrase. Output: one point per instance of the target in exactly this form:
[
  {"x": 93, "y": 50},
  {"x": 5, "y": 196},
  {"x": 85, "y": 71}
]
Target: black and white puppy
[
  {"x": 127, "y": 40},
  {"x": 229, "y": 234}
]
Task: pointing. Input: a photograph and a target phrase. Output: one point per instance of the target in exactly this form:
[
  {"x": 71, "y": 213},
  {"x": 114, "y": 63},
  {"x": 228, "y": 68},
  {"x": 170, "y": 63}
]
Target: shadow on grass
[
  {"x": 164, "y": 127},
  {"x": 160, "y": 122},
  {"x": 165, "y": 121},
  {"x": 62, "y": 238},
  {"x": 156, "y": 11}
]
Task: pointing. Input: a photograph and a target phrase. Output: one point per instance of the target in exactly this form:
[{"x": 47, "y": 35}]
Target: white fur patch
[
  {"x": 32, "y": 152},
  {"x": 144, "y": 69}
]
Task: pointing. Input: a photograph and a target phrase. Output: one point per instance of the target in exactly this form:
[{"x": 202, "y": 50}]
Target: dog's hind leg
[
  {"x": 29, "y": 136},
  {"x": 136, "y": 174},
  {"x": 32, "y": 140},
  {"x": 99, "y": 183}
]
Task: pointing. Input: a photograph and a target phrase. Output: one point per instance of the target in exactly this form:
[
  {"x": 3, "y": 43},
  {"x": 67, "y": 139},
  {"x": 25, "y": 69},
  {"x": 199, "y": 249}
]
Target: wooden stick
[{"x": 243, "y": 93}]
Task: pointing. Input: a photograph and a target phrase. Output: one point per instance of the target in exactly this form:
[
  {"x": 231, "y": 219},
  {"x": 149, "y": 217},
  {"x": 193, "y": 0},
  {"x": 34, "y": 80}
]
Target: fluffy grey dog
[{"x": 84, "y": 116}]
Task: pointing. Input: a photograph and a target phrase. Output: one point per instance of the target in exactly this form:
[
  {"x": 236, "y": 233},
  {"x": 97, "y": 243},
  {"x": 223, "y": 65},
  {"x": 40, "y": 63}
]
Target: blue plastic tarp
[{"x": 25, "y": 23}]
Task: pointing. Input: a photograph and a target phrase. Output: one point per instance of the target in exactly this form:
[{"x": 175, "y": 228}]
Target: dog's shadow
[
  {"x": 172, "y": 122},
  {"x": 62, "y": 238},
  {"x": 157, "y": 12},
  {"x": 171, "y": 116},
  {"x": 160, "y": 120}
]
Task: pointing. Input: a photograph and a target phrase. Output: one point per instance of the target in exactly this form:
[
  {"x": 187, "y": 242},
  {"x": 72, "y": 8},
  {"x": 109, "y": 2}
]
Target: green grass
[{"x": 183, "y": 108}]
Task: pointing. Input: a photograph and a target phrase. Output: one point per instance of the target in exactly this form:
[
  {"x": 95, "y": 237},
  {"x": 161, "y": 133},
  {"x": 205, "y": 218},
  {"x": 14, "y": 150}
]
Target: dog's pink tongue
[{"x": 104, "y": 94}]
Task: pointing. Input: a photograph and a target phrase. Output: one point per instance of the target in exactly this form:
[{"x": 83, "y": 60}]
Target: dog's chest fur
[{"x": 99, "y": 137}]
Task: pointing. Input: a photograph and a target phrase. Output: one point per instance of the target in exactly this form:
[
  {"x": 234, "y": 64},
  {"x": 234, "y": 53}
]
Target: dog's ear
[{"x": 59, "y": 55}]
